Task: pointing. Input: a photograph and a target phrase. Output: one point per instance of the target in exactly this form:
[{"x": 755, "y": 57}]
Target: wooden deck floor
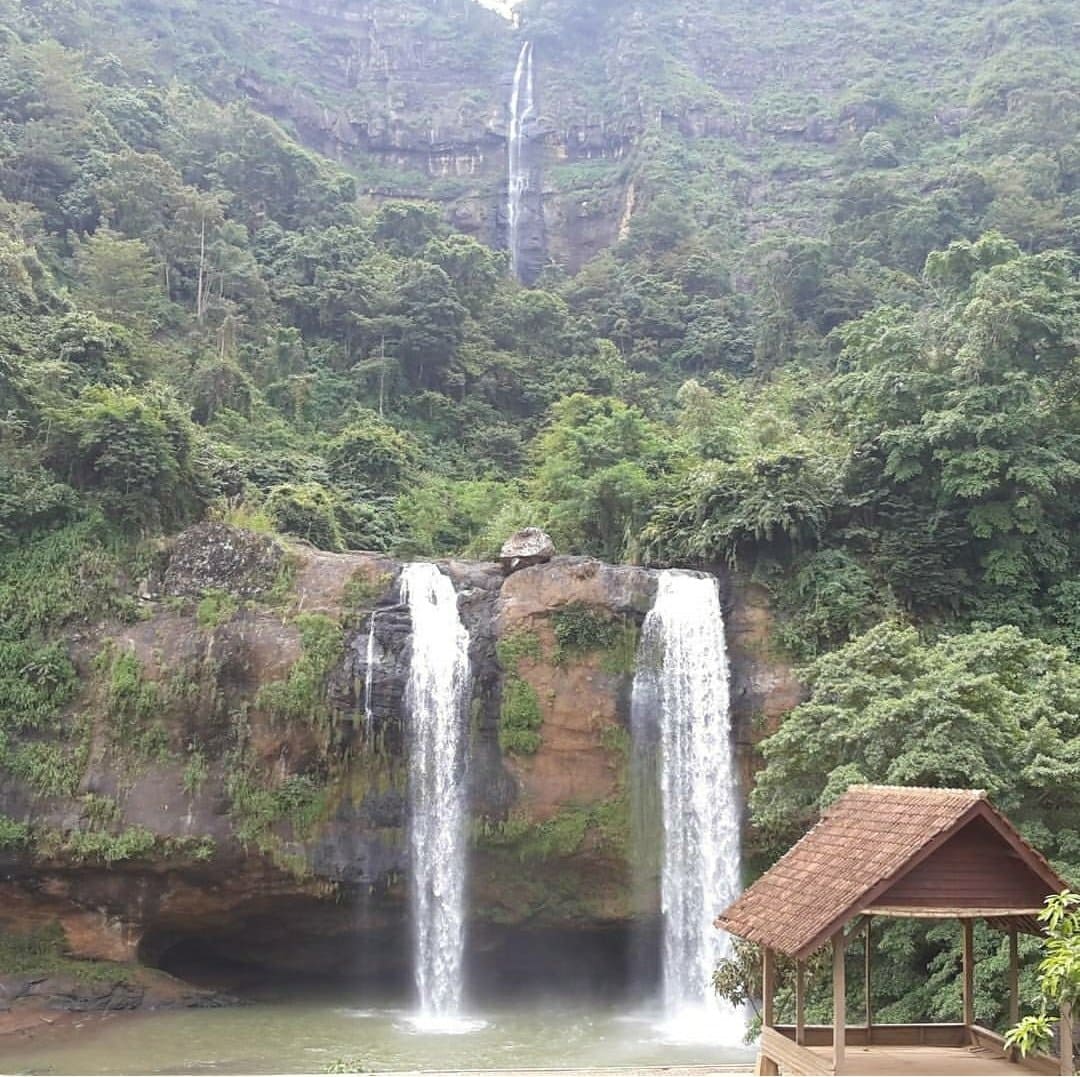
[{"x": 924, "y": 1062}]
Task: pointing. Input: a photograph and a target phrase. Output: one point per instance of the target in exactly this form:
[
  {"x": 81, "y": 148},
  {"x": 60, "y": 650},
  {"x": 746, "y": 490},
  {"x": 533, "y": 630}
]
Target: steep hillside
[{"x": 808, "y": 310}]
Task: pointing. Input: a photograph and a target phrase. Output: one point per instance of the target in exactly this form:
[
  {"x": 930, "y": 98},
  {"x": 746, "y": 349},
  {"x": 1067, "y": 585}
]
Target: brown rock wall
[{"x": 336, "y": 865}]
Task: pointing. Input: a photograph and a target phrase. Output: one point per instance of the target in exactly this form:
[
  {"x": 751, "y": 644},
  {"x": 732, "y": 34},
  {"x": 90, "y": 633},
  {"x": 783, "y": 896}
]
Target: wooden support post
[
  {"x": 800, "y": 1003},
  {"x": 768, "y": 1067},
  {"x": 969, "y": 973},
  {"x": 866, "y": 983},
  {"x": 768, "y": 988},
  {"x": 839, "y": 1002},
  {"x": 1066, "y": 1040},
  {"x": 1014, "y": 984}
]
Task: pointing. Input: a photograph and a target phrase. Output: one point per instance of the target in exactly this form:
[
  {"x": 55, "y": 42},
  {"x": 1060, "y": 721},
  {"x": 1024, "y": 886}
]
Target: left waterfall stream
[{"x": 437, "y": 701}]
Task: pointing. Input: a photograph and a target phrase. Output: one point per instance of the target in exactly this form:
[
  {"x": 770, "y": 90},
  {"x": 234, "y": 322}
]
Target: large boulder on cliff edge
[{"x": 531, "y": 546}]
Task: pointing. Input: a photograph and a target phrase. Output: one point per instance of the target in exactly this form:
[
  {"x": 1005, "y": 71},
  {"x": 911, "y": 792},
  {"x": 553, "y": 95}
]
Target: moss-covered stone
[
  {"x": 302, "y": 695},
  {"x": 215, "y": 608},
  {"x": 363, "y": 590},
  {"x": 520, "y": 715}
]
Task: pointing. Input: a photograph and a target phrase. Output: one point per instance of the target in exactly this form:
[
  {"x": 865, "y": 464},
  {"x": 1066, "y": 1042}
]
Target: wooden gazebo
[{"x": 884, "y": 851}]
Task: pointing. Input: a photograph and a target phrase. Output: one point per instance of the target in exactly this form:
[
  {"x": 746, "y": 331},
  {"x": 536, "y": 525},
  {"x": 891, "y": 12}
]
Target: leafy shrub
[
  {"x": 73, "y": 574},
  {"x": 580, "y": 629},
  {"x": 370, "y": 455},
  {"x": 36, "y": 682},
  {"x": 218, "y": 385},
  {"x": 136, "y": 451},
  {"x": 13, "y": 834},
  {"x": 825, "y": 599},
  {"x": 308, "y": 511},
  {"x": 520, "y": 716},
  {"x": 134, "y": 706},
  {"x": 31, "y": 498},
  {"x": 216, "y": 608},
  {"x": 50, "y": 769},
  {"x": 302, "y": 695},
  {"x": 99, "y": 846}
]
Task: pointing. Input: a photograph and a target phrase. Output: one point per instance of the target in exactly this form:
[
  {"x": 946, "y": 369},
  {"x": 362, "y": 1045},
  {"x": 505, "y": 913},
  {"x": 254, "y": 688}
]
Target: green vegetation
[
  {"x": 42, "y": 953},
  {"x": 581, "y": 630},
  {"x": 133, "y": 708},
  {"x": 347, "y": 1065},
  {"x": 100, "y": 811},
  {"x": 96, "y": 845},
  {"x": 302, "y": 695},
  {"x": 562, "y": 835},
  {"x": 988, "y": 708},
  {"x": 362, "y": 590},
  {"x": 13, "y": 834},
  {"x": 520, "y": 715},
  {"x": 991, "y": 709},
  {"x": 256, "y": 809},
  {"x": 215, "y": 608},
  {"x": 196, "y": 770},
  {"x": 1059, "y": 975},
  {"x": 620, "y": 657},
  {"x": 832, "y": 344},
  {"x": 100, "y": 846}
]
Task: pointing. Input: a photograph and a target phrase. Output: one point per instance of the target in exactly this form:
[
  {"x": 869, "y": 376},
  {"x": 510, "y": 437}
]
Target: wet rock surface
[{"x": 24, "y": 996}]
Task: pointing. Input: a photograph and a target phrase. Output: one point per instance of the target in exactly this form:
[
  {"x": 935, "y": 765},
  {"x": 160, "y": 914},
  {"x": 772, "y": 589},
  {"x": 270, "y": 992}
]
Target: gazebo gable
[{"x": 979, "y": 869}]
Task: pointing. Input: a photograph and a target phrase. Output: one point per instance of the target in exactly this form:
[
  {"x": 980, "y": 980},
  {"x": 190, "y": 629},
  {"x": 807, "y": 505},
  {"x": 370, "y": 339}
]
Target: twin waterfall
[
  {"x": 522, "y": 106},
  {"x": 437, "y": 699},
  {"x": 681, "y": 705},
  {"x": 680, "y": 718}
]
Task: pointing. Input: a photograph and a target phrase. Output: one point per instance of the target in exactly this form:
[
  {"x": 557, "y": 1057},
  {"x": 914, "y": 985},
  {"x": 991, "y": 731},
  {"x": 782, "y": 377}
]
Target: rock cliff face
[
  {"x": 742, "y": 104},
  {"x": 244, "y": 786}
]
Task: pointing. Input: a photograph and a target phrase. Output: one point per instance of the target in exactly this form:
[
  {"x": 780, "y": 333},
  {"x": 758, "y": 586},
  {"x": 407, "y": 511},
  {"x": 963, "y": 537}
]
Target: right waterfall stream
[{"x": 682, "y": 735}]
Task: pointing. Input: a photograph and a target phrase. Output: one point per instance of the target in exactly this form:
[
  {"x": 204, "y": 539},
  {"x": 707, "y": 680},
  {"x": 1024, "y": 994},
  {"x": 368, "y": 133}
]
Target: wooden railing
[
  {"x": 779, "y": 1048},
  {"x": 930, "y": 1035},
  {"x": 1036, "y": 1063},
  {"x": 786, "y": 1053}
]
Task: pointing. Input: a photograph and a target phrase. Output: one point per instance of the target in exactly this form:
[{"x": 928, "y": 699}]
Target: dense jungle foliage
[{"x": 844, "y": 365}]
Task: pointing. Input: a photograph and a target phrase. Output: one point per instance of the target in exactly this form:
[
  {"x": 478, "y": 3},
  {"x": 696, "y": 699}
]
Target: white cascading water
[
  {"x": 369, "y": 676},
  {"x": 682, "y": 692},
  {"x": 522, "y": 105},
  {"x": 437, "y": 694}
]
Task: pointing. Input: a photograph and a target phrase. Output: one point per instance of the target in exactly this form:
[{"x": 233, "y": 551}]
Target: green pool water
[{"x": 309, "y": 1036}]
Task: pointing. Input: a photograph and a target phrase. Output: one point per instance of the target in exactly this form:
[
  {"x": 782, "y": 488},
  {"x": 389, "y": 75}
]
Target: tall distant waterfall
[
  {"x": 437, "y": 695},
  {"x": 681, "y": 705},
  {"x": 522, "y": 106}
]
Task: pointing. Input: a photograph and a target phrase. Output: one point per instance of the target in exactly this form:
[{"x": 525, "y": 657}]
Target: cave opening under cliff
[{"x": 269, "y": 956}]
